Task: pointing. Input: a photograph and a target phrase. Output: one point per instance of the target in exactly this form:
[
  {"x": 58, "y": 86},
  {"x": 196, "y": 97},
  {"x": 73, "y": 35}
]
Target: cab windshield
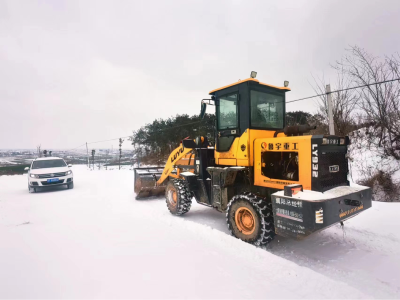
[
  {"x": 267, "y": 110},
  {"x": 51, "y": 163}
]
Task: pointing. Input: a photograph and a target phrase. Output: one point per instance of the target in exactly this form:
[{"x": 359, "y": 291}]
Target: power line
[
  {"x": 110, "y": 139},
  {"x": 128, "y": 136},
  {"x": 76, "y": 147},
  {"x": 318, "y": 95},
  {"x": 97, "y": 142},
  {"x": 342, "y": 90}
]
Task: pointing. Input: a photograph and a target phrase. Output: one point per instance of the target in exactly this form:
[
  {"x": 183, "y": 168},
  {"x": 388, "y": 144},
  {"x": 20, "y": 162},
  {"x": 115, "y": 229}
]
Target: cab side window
[
  {"x": 227, "y": 119},
  {"x": 227, "y": 112}
]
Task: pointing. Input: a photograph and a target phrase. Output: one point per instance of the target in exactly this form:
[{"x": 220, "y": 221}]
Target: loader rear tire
[
  {"x": 249, "y": 218},
  {"x": 178, "y": 197}
]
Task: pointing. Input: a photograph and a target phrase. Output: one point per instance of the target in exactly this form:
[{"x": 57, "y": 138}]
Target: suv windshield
[
  {"x": 266, "y": 110},
  {"x": 52, "y": 163}
]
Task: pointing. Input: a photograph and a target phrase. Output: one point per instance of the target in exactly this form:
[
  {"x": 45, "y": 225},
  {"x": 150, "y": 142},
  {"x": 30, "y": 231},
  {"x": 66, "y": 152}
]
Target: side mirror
[
  {"x": 69, "y": 166},
  {"x": 203, "y": 110},
  {"x": 26, "y": 169},
  {"x": 190, "y": 144}
]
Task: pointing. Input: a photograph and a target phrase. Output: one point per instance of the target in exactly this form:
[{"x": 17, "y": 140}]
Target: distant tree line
[{"x": 153, "y": 143}]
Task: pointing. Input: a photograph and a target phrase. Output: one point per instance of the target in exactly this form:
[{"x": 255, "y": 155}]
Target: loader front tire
[
  {"x": 250, "y": 219},
  {"x": 178, "y": 197}
]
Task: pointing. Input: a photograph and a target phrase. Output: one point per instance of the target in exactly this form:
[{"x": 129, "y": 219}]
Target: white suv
[{"x": 47, "y": 172}]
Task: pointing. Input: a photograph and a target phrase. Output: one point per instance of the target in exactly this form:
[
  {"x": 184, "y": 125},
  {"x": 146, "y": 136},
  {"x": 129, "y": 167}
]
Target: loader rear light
[
  {"x": 342, "y": 141},
  {"x": 324, "y": 141},
  {"x": 319, "y": 216},
  {"x": 292, "y": 189}
]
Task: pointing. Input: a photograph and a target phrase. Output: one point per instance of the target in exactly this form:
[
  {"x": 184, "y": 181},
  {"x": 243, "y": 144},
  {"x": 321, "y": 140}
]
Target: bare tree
[
  {"x": 379, "y": 104},
  {"x": 344, "y": 103}
]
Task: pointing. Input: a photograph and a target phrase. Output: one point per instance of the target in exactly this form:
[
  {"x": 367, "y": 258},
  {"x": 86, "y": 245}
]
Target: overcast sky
[{"x": 77, "y": 71}]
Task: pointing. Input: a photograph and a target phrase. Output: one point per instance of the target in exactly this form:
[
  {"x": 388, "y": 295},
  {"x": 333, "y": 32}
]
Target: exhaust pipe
[{"x": 295, "y": 130}]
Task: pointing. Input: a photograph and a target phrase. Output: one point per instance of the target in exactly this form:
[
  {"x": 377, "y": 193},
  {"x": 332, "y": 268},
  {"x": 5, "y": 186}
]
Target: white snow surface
[
  {"x": 97, "y": 241},
  {"x": 188, "y": 174},
  {"x": 330, "y": 194}
]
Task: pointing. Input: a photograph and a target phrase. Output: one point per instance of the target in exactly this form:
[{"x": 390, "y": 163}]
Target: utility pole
[
  {"x": 39, "y": 151},
  {"x": 133, "y": 154},
  {"x": 107, "y": 154},
  {"x": 330, "y": 110},
  {"x": 87, "y": 152},
  {"x": 93, "y": 152},
  {"x": 120, "y": 152}
]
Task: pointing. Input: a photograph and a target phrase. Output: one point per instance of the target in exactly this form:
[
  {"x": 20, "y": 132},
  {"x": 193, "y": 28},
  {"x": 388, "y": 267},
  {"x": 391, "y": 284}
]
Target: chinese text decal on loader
[{"x": 268, "y": 178}]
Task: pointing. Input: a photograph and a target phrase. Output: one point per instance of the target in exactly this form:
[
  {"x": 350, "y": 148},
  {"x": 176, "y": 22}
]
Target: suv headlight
[
  {"x": 34, "y": 175},
  {"x": 68, "y": 172}
]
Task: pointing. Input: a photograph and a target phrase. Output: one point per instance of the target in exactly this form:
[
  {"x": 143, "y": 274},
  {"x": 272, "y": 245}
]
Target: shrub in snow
[
  {"x": 383, "y": 187},
  {"x": 371, "y": 166}
]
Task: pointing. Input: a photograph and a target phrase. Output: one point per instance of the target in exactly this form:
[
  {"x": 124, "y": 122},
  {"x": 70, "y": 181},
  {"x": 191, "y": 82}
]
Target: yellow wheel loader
[{"x": 268, "y": 178}]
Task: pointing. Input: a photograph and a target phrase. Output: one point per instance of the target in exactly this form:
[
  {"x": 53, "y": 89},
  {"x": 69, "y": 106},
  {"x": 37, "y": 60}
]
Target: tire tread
[
  {"x": 264, "y": 211},
  {"x": 184, "y": 197}
]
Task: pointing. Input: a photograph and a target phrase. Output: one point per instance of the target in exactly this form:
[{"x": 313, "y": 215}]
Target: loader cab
[{"x": 246, "y": 110}]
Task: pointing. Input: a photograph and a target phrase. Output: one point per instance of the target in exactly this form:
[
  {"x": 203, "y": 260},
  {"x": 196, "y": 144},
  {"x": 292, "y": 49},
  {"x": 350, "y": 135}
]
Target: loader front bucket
[{"x": 145, "y": 182}]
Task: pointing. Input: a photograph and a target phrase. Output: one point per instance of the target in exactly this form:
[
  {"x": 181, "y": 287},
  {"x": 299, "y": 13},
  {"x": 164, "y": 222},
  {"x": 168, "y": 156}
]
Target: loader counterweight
[{"x": 308, "y": 212}]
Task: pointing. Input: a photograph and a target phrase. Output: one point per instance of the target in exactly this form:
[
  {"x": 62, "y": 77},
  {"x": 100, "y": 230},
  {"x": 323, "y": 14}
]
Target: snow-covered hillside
[
  {"x": 96, "y": 241},
  {"x": 367, "y": 159}
]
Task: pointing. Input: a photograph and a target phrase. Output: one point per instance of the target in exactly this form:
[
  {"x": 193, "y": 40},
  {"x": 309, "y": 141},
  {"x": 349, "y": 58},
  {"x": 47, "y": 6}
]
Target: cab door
[{"x": 227, "y": 121}]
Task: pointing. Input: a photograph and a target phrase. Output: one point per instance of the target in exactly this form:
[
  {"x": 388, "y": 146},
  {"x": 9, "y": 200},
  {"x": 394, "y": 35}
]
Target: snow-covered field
[{"x": 96, "y": 241}]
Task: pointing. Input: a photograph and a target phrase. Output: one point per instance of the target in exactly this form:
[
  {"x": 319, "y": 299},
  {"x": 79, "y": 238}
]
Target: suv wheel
[{"x": 31, "y": 189}]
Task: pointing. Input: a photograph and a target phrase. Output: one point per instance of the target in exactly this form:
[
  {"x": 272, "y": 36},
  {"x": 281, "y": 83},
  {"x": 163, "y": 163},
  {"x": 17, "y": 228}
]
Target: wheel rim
[
  {"x": 172, "y": 197},
  {"x": 245, "y": 220}
]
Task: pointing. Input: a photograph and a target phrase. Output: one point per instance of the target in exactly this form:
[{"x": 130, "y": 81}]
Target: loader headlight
[{"x": 34, "y": 175}]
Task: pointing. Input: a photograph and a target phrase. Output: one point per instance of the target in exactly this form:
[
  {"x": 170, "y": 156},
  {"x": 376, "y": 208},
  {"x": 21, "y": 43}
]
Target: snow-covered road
[{"x": 96, "y": 241}]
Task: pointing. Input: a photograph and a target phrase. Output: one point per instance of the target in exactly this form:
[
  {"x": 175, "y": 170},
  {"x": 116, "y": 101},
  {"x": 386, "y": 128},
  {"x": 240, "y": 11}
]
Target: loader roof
[{"x": 249, "y": 79}]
